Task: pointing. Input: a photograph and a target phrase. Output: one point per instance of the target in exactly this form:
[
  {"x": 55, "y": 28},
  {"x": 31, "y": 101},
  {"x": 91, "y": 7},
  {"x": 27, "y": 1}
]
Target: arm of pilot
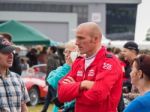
[
  {"x": 101, "y": 87},
  {"x": 99, "y": 91},
  {"x": 55, "y": 75},
  {"x": 86, "y": 85},
  {"x": 68, "y": 88}
]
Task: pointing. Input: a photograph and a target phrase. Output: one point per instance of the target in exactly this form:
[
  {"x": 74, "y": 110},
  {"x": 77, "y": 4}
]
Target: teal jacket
[
  {"x": 55, "y": 75},
  {"x": 53, "y": 79}
]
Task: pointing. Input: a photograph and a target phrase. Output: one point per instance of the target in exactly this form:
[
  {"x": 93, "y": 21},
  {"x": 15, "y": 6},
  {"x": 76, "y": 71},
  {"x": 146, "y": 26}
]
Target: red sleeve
[
  {"x": 105, "y": 81},
  {"x": 68, "y": 92}
]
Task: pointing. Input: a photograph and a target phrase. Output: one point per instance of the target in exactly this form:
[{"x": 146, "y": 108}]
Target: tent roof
[{"x": 24, "y": 34}]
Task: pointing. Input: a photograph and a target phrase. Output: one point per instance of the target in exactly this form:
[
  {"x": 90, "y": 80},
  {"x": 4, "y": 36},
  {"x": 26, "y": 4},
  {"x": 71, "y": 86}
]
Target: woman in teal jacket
[{"x": 55, "y": 75}]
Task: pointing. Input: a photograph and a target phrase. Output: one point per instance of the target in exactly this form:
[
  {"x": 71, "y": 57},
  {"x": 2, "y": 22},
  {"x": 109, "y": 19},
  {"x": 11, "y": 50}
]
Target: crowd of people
[{"x": 92, "y": 78}]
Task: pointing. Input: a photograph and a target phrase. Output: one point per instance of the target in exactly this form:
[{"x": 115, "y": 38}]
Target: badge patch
[
  {"x": 107, "y": 66},
  {"x": 91, "y": 73}
]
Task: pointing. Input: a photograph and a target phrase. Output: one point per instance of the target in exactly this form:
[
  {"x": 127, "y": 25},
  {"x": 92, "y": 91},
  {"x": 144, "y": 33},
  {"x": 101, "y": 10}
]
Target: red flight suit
[{"x": 104, "y": 96}]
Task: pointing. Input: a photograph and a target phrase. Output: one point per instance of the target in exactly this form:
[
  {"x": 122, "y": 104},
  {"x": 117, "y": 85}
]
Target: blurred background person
[
  {"x": 24, "y": 64},
  {"x": 53, "y": 59},
  {"x": 32, "y": 56},
  {"x": 52, "y": 63},
  {"x": 42, "y": 56},
  {"x": 129, "y": 52}
]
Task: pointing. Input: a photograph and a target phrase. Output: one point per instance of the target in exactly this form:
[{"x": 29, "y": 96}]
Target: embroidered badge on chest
[
  {"x": 91, "y": 73},
  {"x": 80, "y": 73},
  {"x": 107, "y": 66}
]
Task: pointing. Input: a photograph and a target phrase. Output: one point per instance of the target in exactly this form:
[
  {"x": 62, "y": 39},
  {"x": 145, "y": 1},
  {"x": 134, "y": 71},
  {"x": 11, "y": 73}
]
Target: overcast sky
[{"x": 143, "y": 20}]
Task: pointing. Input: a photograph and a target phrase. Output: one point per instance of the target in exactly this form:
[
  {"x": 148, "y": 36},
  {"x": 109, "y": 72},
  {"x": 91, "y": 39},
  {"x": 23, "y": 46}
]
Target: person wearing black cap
[
  {"x": 129, "y": 52},
  {"x": 16, "y": 67},
  {"x": 13, "y": 93}
]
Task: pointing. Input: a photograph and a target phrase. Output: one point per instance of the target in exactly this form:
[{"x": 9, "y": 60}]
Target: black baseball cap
[
  {"x": 132, "y": 46},
  {"x": 6, "y": 46}
]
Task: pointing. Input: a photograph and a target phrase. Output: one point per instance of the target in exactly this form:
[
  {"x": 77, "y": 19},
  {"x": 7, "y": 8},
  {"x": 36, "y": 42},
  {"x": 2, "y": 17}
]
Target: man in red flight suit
[{"x": 95, "y": 81}]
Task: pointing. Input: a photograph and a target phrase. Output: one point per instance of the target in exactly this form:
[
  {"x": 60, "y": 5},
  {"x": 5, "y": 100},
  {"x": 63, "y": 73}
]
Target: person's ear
[
  {"x": 140, "y": 73},
  {"x": 95, "y": 39}
]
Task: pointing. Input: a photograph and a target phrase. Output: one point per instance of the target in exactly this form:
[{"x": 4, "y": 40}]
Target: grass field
[{"x": 38, "y": 108}]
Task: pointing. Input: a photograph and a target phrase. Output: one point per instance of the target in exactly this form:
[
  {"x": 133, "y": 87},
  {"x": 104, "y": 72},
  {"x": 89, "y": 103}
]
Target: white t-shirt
[{"x": 88, "y": 61}]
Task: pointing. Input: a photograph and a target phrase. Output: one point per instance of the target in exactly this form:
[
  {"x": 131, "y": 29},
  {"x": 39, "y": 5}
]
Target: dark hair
[
  {"x": 143, "y": 63},
  {"x": 53, "y": 48}
]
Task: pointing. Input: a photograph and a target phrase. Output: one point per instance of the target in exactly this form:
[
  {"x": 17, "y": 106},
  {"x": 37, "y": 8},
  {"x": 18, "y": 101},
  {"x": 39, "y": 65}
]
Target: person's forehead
[
  {"x": 125, "y": 49},
  {"x": 134, "y": 65},
  {"x": 83, "y": 30},
  {"x": 69, "y": 48},
  {"x": 82, "y": 34},
  {"x": 1, "y": 36},
  {"x": 3, "y": 54}
]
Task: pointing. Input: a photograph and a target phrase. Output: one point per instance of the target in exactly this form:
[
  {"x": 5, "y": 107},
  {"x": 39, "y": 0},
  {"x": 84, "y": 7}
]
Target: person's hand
[
  {"x": 69, "y": 60},
  {"x": 60, "y": 110},
  {"x": 130, "y": 96},
  {"x": 68, "y": 80},
  {"x": 24, "y": 107},
  {"x": 86, "y": 84}
]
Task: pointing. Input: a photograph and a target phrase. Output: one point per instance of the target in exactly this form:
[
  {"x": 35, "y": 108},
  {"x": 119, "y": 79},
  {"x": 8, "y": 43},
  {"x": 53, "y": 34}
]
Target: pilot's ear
[{"x": 95, "y": 38}]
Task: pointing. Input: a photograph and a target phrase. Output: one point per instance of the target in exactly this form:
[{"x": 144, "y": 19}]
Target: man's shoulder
[
  {"x": 14, "y": 77},
  {"x": 109, "y": 60},
  {"x": 109, "y": 55},
  {"x": 13, "y": 74},
  {"x": 78, "y": 59}
]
